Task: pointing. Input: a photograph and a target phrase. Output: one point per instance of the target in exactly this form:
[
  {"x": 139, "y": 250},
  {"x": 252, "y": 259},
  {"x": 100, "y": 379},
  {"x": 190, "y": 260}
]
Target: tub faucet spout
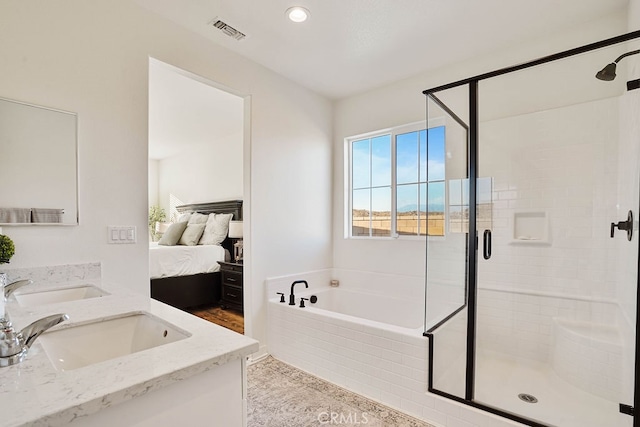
[{"x": 292, "y": 297}]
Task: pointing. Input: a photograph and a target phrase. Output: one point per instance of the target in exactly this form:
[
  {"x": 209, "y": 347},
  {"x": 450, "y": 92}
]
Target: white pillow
[
  {"x": 191, "y": 234},
  {"x": 216, "y": 229},
  {"x": 198, "y": 218},
  {"x": 184, "y": 217},
  {"x": 173, "y": 234}
]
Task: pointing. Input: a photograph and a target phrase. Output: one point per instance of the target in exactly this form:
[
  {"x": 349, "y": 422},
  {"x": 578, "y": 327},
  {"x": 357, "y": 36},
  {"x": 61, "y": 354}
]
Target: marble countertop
[{"x": 34, "y": 393}]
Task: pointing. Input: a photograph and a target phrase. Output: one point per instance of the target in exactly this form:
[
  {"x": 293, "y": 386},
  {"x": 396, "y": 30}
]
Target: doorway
[{"x": 198, "y": 131}]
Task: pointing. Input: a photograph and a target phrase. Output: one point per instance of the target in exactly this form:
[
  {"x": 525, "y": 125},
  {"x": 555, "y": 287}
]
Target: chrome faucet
[
  {"x": 5, "y": 292},
  {"x": 15, "y": 345},
  {"x": 292, "y": 297},
  {"x": 11, "y": 287}
]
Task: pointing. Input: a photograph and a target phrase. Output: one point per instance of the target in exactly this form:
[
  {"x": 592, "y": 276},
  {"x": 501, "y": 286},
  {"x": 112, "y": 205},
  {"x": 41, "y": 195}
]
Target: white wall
[
  {"x": 153, "y": 182},
  {"x": 634, "y": 15},
  {"x": 205, "y": 173},
  {"x": 403, "y": 102},
  {"x": 46, "y": 141},
  {"x": 93, "y": 58}
]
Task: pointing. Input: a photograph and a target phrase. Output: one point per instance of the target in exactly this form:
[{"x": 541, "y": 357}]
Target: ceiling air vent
[{"x": 227, "y": 29}]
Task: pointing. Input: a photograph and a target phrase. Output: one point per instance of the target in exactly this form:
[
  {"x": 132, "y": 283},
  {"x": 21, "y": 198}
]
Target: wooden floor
[{"x": 230, "y": 319}]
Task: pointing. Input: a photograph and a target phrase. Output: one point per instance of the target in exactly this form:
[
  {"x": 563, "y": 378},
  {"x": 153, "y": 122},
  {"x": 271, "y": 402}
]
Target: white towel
[
  {"x": 46, "y": 215},
  {"x": 15, "y": 215}
]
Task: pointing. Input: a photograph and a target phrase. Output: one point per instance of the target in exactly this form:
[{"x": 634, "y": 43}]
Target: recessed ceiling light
[{"x": 298, "y": 14}]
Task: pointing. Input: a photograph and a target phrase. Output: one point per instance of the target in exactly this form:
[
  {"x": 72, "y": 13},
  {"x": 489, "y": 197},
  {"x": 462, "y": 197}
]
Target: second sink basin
[
  {"x": 84, "y": 345},
  {"x": 30, "y": 299}
]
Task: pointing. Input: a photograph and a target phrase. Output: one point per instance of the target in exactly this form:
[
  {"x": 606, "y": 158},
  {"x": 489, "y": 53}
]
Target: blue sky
[{"x": 411, "y": 159}]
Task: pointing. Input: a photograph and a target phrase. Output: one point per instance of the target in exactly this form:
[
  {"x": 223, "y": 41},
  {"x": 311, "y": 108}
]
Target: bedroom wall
[
  {"x": 403, "y": 102},
  {"x": 206, "y": 173},
  {"x": 153, "y": 182},
  {"x": 93, "y": 58}
]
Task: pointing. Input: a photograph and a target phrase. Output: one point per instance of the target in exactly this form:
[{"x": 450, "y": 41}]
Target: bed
[{"x": 195, "y": 281}]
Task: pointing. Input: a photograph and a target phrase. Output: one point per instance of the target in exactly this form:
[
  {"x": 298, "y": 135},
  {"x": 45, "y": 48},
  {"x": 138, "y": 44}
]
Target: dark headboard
[{"x": 227, "y": 206}]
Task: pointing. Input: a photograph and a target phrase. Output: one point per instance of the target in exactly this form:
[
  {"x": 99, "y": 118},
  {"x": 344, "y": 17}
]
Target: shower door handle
[{"x": 486, "y": 244}]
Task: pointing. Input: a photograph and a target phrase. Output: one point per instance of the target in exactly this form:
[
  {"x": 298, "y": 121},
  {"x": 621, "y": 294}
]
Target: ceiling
[{"x": 351, "y": 46}]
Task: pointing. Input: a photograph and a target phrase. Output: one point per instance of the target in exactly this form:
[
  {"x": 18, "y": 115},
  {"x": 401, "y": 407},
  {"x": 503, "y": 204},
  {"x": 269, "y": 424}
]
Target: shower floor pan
[{"x": 502, "y": 378}]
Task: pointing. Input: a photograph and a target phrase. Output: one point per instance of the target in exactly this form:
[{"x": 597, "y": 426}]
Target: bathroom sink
[
  {"x": 31, "y": 299},
  {"x": 83, "y": 345}
]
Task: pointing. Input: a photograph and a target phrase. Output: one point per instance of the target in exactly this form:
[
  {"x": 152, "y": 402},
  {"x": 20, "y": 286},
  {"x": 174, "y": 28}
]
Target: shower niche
[{"x": 530, "y": 227}]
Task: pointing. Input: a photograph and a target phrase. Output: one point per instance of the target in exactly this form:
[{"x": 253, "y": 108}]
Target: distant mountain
[{"x": 434, "y": 207}]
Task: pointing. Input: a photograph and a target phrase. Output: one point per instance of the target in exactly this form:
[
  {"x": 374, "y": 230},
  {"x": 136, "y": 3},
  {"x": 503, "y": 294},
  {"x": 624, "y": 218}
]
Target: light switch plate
[{"x": 121, "y": 234}]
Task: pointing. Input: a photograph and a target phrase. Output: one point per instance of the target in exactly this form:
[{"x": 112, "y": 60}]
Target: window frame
[{"x": 393, "y": 132}]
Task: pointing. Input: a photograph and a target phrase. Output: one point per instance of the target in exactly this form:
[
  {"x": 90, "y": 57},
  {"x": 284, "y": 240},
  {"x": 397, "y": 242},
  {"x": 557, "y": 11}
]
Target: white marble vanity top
[{"x": 33, "y": 393}]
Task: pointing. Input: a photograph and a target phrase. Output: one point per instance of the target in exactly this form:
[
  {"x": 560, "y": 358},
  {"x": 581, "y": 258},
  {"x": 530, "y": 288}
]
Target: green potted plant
[
  {"x": 7, "y": 249},
  {"x": 156, "y": 214}
]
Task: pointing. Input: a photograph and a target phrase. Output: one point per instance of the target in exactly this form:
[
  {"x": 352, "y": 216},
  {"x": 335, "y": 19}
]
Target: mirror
[{"x": 38, "y": 165}]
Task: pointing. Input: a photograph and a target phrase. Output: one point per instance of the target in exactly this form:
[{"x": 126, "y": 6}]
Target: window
[
  {"x": 397, "y": 182},
  {"x": 174, "y": 202},
  {"x": 420, "y": 182},
  {"x": 371, "y": 186}
]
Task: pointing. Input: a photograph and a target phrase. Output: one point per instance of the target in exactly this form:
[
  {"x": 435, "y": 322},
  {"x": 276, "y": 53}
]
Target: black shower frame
[{"x": 472, "y": 242}]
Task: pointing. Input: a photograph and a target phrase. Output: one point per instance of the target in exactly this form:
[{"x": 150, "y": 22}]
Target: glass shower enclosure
[{"x": 531, "y": 294}]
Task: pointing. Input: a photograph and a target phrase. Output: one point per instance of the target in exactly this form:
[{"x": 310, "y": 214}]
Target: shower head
[{"x": 608, "y": 73}]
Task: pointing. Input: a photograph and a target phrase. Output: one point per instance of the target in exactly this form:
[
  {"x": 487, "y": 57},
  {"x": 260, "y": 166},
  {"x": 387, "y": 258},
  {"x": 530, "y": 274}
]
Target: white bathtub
[
  {"x": 366, "y": 342},
  {"x": 362, "y": 307}
]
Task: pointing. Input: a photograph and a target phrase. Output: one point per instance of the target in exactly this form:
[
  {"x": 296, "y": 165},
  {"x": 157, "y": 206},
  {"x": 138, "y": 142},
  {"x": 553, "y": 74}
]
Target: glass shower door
[
  {"x": 446, "y": 267},
  {"x": 555, "y": 324}
]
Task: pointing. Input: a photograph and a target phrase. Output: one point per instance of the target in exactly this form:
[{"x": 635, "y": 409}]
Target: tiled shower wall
[
  {"x": 560, "y": 162},
  {"x": 562, "y": 165},
  {"x": 628, "y": 191}
]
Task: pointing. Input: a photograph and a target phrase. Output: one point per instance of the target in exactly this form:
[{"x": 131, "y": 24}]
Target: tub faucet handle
[
  {"x": 302, "y": 302},
  {"x": 281, "y": 296}
]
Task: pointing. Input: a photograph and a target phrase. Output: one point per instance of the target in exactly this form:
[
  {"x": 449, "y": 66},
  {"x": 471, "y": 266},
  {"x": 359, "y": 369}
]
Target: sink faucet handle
[
  {"x": 31, "y": 332},
  {"x": 11, "y": 287},
  {"x": 15, "y": 345},
  {"x": 302, "y": 302},
  {"x": 281, "y": 296}
]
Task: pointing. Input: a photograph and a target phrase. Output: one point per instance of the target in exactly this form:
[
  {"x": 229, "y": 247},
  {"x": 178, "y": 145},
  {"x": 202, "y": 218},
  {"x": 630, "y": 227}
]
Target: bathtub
[
  {"x": 369, "y": 343},
  {"x": 367, "y": 308}
]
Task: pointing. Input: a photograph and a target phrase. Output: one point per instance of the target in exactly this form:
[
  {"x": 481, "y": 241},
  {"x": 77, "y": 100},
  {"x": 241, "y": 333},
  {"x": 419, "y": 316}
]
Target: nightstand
[{"x": 232, "y": 292}]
